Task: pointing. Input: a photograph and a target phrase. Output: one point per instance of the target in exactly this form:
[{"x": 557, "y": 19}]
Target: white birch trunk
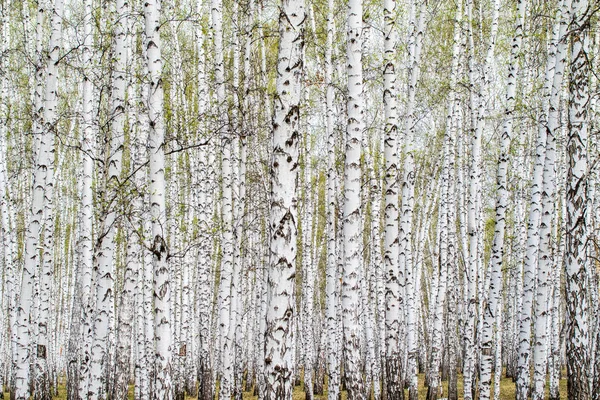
[
  {"x": 86, "y": 219},
  {"x": 352, "y": 215},
  {"x": 228, "y": 289},
  {"x": 308, "y": 271},
  {"x": 331, "y": 280},
  {"x": 205, "y": 213},
  {"x": 473, "y": 233},
  {"x": 147, "y": 319},
  {"x": 577, "y": 319},
  {"x": 408, "y": 272},
  {"x": 162, "y": 389},
  {"x": 143, "y": 295},
  {"x": 264, "y": 257},
  {"x": 498, "y": 351},
  {"x": 279, "y": 329},
  {"x": 393, "y": 295},
  {"x": 224, "y": 294},
  {"x": 453, "y": 125}
]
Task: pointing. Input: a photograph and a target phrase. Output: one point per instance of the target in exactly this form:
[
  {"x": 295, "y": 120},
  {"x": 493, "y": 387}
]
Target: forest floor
[{"x": 507, "y": 391}]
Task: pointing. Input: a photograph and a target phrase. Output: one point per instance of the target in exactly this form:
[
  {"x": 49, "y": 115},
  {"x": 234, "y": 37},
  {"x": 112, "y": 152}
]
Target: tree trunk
[
  {"x": 281, "y": 307},
  {"x": 408, "y": 271},
  {"x": 352, "y": 215},
  {"x": 331, "y": 273},
  {"x": 162, "y": 388},
  {"x": 394, "y": 299},
  {"x": 577, "y": 324}
]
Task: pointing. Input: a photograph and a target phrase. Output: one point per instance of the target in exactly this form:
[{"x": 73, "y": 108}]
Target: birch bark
[
  {"x": 408, "y": 271},
  {"x": 162, "y": 388},
  {"x": 279, "y": 330},
  {"x": 577, "y": 319},
  {"x": 392, "y": 291},
  {"x": 205, "y": 213},
  {"x": 472, "y": 231},
  {"x": 230, "y": 214},
  {"x": 308, "y": 271},
  {"x": 85, "y": 233},
  {"x": 352, "y": 216},
  {"x": 331, "y": 286}
]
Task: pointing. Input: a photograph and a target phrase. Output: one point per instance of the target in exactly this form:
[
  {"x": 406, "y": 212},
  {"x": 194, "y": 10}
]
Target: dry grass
[{"x": 507, "y": 391}]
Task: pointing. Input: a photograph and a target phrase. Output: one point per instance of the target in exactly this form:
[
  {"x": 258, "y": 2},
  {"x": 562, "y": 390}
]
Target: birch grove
[{"x": 299, "y": 199}]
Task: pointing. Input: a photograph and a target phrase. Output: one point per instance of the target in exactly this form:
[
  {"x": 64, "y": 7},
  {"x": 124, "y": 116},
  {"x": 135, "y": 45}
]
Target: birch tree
[
  {"x": 393, "y": 294},
  {"x": 182, "y": 204},
  {"x": 162, "y": 289},
  {"x": 86, "y": 214},
  {"x": 577, "y": 324},
  {"x": 205, "y": 160},
  {"x": 473, "y": 231},
  {"x": 331, "y": 273},
  {"x": 279, "y": 332},
  {"x": 352, "y": 220}
]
